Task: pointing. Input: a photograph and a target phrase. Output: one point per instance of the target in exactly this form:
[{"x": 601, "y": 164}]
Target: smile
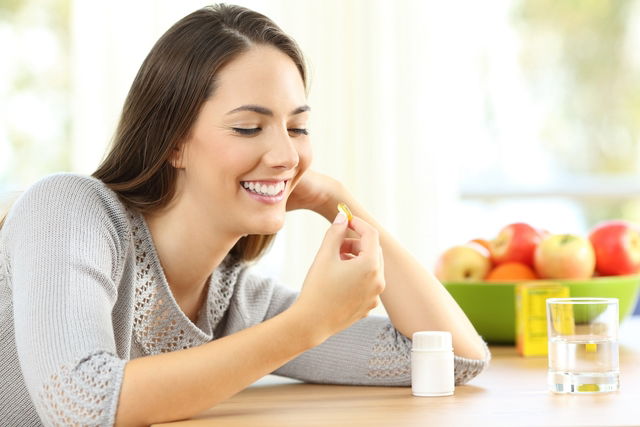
[{"x": 265, "y": 191}]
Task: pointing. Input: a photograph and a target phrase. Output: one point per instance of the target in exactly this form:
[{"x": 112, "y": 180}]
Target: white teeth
[{"x": 263, "y": 189}]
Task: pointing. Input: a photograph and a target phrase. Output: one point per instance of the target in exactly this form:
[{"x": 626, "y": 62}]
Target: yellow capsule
[
  {"x": 591, "y": 347},
  {"x": 586, "y": 388},
  {"x": 342, "y": 207}
]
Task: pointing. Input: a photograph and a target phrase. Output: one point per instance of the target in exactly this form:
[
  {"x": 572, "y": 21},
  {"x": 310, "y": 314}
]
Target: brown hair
[{"x": 175, "y": 79}]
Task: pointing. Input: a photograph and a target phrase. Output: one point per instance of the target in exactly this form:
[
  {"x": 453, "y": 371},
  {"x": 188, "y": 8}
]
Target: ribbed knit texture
[{"x": 82, "y": 291}]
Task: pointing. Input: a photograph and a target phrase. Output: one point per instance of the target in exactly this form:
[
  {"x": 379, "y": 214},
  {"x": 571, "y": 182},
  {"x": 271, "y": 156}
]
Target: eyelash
[{"x": 253, "y": 131}]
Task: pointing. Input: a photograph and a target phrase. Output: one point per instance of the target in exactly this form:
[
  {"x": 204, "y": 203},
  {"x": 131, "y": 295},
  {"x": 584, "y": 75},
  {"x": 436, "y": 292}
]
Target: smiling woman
[{"x": 127, "y": 296}]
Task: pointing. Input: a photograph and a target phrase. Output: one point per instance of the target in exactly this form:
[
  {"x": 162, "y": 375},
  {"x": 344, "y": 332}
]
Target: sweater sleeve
[
  {"x": 64, "y": 250},
  {"x": 369, "y": 352}
]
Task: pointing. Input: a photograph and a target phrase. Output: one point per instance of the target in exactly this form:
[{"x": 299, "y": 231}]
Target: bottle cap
[{"x": 432, "y": 341}]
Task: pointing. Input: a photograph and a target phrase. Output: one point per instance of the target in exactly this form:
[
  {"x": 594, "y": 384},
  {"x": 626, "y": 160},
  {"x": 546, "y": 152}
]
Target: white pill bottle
[{"x": 432, "y": 369}]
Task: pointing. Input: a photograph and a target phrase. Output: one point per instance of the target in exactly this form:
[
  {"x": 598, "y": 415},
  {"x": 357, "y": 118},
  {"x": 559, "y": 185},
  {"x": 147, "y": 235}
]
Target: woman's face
[{"x": 249, "y": 145}]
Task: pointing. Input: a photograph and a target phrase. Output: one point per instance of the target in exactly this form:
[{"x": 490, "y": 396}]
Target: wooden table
[{"x": 511, "y": 392}]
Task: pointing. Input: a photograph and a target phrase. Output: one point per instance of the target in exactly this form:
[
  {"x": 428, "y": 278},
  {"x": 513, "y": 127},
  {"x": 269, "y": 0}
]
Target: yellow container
[{"x": 531, "y": 315}]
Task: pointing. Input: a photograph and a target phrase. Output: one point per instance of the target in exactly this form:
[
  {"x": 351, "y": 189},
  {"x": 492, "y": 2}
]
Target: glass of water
[{"x": 583, "y": 345}]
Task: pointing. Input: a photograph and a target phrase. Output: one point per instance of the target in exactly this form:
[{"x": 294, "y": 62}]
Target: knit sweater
[{"x": 82, "y": 291}]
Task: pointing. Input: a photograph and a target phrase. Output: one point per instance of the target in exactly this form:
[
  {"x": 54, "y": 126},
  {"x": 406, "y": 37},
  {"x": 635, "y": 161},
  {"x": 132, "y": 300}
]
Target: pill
[
  {"x": 591, "y": 347},
  {"x": 342, "y": 207}
]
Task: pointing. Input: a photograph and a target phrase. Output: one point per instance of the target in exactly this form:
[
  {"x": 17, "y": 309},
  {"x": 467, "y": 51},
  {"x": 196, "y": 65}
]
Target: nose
[{"x": 282, "y": 152}]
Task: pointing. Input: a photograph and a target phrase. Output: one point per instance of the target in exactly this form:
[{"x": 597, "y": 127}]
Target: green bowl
[{"x": 491, "y": 306}]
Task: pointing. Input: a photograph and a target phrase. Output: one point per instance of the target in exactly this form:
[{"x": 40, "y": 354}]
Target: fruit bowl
[{"x": 491, "y": 305}]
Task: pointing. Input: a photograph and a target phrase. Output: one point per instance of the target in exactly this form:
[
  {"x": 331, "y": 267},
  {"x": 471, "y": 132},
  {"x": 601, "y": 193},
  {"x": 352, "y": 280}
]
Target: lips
[
  {"x": 264, "y": 188},
  {"x": 274, "y": 193}
]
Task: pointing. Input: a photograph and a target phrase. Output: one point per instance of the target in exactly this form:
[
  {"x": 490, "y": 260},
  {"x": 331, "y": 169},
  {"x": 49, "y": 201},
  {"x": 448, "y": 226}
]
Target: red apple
[
  {"x": 515, "y": 243},
  {"x": 617, "y": 247},
  {"x": 463, "y": 263},
  {"x": 565, "y": 256}
]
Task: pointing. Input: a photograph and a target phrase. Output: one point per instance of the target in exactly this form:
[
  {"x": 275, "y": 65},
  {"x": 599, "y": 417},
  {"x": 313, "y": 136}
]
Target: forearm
[
  {"x": 414, "y": 299},
  {"x": 180, "y": 384}
]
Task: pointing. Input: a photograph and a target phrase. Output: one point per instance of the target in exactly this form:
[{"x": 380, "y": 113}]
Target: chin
[{"x": 269, "y": 227}]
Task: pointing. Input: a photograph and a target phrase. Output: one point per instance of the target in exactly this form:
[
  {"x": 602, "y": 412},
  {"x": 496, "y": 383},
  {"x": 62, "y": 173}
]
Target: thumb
[{"x": 334, "y": 236}]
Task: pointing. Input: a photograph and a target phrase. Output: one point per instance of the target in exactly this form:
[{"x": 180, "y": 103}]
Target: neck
[{"x": 189, "y": 247}]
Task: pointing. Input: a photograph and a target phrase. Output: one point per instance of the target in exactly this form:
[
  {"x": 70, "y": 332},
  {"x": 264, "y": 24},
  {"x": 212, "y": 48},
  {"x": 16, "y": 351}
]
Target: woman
[{"x": 126, "y": 298}]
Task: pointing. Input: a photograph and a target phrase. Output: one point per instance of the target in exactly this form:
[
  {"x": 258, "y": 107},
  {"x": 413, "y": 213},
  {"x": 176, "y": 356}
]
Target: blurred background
[{"x": 448, "y": 120}]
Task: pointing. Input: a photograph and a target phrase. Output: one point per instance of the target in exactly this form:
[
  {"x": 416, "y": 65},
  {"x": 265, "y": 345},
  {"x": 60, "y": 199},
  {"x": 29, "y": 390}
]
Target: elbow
[
  {"x": 476, "y": 349},
  {"x": 468, "y": 368}
]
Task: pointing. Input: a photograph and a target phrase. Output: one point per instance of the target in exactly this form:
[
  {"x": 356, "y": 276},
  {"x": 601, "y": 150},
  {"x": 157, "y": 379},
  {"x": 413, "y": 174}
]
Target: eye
[
  {"x": 299, "y": 131},
  {"x": 246, "y": 131}
]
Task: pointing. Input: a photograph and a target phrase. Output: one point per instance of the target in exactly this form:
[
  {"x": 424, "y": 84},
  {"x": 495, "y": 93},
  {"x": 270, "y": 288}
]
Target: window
[
  {"x": 35, "y": 85},
  {"x": 557, "y": 141}
]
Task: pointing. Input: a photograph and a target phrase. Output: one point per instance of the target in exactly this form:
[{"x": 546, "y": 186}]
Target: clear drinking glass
[{"x": 583, "y": 345}]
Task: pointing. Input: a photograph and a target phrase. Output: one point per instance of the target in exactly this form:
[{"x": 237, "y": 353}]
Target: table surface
[{"x": 510, "y": 392}]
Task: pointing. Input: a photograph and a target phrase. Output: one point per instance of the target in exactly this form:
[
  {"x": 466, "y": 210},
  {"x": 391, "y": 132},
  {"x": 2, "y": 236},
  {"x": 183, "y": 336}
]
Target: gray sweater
[{"x": 82, "y": 292}]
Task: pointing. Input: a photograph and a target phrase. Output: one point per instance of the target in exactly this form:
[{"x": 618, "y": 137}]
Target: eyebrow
[{"x": 267, "y": 112}]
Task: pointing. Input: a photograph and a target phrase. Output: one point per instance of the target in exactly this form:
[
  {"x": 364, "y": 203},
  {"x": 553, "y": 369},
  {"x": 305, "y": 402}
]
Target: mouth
[{"x": 265, "y": 191}]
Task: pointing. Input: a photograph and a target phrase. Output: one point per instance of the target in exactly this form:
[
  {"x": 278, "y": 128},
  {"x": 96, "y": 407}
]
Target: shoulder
[
  {"x": 66, "y": 199},
  {"x": 68, "y": 186},
  {"x": 67, "y": 189}
]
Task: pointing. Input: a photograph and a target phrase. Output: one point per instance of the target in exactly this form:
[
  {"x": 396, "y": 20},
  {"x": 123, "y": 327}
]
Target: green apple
[
  {"x": 463, "y": 263},
  {"x": 565, "y": 256}
]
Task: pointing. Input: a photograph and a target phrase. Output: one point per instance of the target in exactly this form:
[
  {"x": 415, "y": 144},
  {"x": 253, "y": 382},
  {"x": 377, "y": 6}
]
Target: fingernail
[{"x": 341, "y": 218}]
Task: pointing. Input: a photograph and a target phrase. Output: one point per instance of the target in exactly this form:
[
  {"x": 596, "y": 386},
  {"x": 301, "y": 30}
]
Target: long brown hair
[{"x": 175, "y": 79}]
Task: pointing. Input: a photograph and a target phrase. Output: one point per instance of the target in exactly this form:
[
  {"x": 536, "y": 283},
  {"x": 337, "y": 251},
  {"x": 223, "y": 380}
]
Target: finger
[
  {"x": 369, "y": 240},
  {"x": 346, "y": 256},
  {"x": 334, "y": 237},
  {"x": 350, "y": 246}
]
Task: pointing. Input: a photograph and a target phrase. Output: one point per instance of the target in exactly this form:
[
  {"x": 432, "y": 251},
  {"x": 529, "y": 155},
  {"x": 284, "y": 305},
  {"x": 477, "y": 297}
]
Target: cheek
[
  {"x": 215, "y": 166},
  {"x": 231, "y": 158}
]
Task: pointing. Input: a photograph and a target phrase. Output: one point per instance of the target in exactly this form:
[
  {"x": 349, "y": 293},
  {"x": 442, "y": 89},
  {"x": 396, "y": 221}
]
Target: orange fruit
[
  {"x": 483, "y": 242},
  {"x": 511, "y": 271}
]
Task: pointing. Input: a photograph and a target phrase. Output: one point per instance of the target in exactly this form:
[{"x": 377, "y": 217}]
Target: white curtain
[{"x": 389, "y": 91}]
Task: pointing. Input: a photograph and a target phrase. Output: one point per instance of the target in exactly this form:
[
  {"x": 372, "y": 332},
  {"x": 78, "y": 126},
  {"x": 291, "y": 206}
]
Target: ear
[{"x": 177, "y": 157}]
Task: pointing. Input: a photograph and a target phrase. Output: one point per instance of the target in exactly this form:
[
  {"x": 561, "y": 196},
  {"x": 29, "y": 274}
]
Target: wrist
[
  {"x": 329, "y": 208},
  {"x": 308, "y": 331}
]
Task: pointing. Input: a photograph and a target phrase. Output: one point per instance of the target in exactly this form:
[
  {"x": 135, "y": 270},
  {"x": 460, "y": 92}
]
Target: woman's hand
[
  {"x": 316, "y": 192},
  {"x": 345, "y": 279}
]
